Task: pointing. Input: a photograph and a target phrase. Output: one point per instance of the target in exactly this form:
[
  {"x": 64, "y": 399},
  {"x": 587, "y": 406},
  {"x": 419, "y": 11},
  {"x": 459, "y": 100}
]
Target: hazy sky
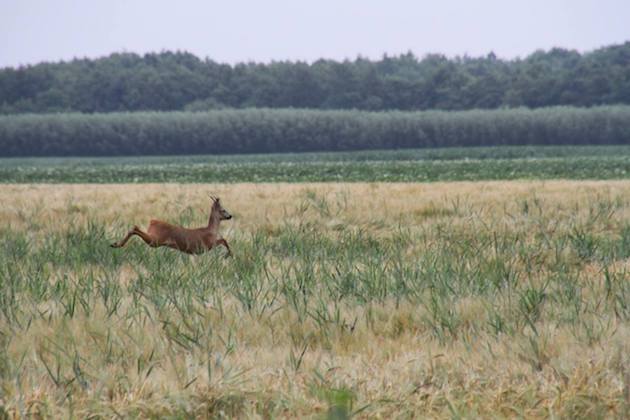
[{"x": 234, "y": 31}]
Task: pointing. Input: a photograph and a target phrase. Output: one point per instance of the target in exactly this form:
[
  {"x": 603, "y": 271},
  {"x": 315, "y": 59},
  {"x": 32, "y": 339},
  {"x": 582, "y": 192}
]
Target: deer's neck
[{"x": 213, "y": 222}]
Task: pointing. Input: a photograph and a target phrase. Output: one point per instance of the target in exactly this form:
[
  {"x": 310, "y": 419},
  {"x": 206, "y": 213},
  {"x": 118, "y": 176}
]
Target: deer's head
[{"x": 217, "y": 207}]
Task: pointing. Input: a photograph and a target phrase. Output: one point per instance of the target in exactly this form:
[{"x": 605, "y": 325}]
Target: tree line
[
  {"x": 291, "y": 130},
  {"x": 180, "y": 81}
]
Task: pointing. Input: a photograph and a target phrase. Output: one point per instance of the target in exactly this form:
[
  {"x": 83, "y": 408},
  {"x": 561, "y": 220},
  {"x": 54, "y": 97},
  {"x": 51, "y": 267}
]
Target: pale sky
[{"x": 227, "y": 31}]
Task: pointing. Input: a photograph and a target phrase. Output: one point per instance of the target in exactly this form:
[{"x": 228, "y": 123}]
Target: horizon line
[{"x": 357, "y": 57}]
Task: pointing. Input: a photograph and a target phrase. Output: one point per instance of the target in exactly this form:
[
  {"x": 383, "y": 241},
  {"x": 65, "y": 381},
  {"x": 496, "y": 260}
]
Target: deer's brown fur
[{"x": 190, "y": 241}]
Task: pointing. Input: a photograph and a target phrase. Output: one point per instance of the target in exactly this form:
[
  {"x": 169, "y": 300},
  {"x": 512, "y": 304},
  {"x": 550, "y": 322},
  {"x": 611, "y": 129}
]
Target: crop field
[
  {"x": 448, "y": 300},
  {"x": 412, "y": 165}
]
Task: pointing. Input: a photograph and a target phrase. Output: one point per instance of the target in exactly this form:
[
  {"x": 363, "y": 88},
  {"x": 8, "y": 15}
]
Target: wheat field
[{"x": 441, "y": 300}]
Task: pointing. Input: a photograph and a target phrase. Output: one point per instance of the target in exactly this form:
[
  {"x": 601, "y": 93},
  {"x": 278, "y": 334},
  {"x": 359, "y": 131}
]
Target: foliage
[
  {"x": 292, "y": 130},
  {"x": 179, "y": 80}
]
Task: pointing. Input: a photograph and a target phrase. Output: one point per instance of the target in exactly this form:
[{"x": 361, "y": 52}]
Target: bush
[{"x": 294, "y": 130}]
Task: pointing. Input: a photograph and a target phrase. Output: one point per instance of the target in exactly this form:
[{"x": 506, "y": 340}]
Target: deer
[{"x": 190, "y": 241}]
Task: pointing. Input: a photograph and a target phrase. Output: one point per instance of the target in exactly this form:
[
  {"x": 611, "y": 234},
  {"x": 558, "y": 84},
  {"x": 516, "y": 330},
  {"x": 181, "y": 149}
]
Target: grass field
[
  {"x": 414, "y": 165},
  {"x": 449, "y": 300}
]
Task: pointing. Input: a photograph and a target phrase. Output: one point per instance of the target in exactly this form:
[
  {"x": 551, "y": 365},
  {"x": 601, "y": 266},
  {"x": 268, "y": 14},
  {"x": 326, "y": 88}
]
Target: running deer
[{"x": 190, "y": 241}]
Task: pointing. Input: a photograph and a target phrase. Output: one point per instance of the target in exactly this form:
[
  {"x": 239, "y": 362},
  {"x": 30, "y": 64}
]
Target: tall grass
[{"x": 465, "y": 300}]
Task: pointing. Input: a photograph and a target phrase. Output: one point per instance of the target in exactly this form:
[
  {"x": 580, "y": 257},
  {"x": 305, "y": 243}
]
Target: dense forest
[
  {"x": 170, "y": 81},
  {"x": 270, "y": 130}
]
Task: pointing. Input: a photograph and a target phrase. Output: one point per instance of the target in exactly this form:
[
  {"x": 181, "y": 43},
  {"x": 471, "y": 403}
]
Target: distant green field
[{"x": 415, "y": 165}]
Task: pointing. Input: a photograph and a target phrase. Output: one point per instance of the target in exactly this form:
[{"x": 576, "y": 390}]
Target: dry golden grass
[
  {"x": 268, "y": 204},
  {"x": 385, "y": 357}
]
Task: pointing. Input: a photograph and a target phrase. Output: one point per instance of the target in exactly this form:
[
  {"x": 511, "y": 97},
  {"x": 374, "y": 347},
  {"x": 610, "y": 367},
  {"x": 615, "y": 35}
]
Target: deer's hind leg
[
  {"x": 135, "y": 231},
  {"x": 124, "y": 240},
  {"x": 146, "y": 237}
]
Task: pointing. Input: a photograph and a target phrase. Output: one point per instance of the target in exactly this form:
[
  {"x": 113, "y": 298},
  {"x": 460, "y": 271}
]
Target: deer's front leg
[{"x": 225, "y": 244}]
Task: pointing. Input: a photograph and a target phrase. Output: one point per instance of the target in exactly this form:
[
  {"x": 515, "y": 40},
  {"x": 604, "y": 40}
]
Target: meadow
[
  {"x": 447, "y": 300},
  {"x": 404, "y": 165}
]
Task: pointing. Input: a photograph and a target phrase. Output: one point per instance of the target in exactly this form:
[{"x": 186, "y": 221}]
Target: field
[
  {"x": 449, "y": 300},
  {"x": 412, "y": 165}
]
